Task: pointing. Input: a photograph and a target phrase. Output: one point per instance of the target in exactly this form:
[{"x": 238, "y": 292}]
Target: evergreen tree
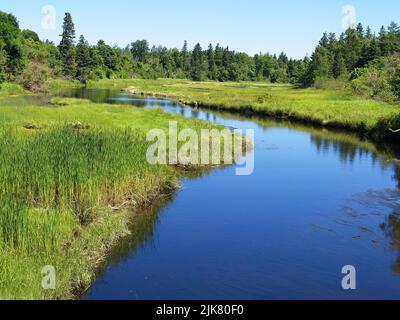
[
  {"x": 339, "y": 66},
  {"x": 370, "y": 52},
  {"x": 167, "y": 62},
  {"x": 211, "y": 63},
  {"x": 198, "y": 66},
  {"x": 303, "y": 76},
  {"x": 83, "y": 60},
  {"x": 66, "y": 46},
  {"x": 352, "y": 48},
  {"x": 368, "y": 33},
  {"x": 321, "y": 63},
  {"x": 176, "y": 56},
  {"x": 108, "y": 55},
  {"x": 383, "y": 42},
  {"x": 324, "y": 40},
  {"x": 393, "y": 38},
  {"x": 358, "y": 52},
  {"x": 360, "y": 30},
  {"x": 186, "y": 59},
  {"x": 283, "y": 60}
]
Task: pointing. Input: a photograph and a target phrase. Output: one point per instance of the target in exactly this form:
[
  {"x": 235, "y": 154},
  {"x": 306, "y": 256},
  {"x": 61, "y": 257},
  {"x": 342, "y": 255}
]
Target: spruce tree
[
  {"x": 211, "y": 63},
  {"x": 198, "y": 65},
  {"x": 383, "y": 42},
  {"x": 83, "y": 60},
  {"x": 67, "y": 46},
  {"x": 360, "y": 30},
  {"x": 369, "y": 33},
  {"x": 185, "y": 56},
  {"x": 339, "y": 66}
]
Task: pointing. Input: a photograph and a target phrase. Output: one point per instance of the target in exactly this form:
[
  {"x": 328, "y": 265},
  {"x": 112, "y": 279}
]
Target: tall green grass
[
  {"x": 59, "y": 180},
  {"x": 65, "y": 188},
  {"x": 9, "y": 89}
]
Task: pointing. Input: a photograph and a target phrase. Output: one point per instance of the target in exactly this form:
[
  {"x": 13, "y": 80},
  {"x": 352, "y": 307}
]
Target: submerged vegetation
[{"x": 69, "y": 175}]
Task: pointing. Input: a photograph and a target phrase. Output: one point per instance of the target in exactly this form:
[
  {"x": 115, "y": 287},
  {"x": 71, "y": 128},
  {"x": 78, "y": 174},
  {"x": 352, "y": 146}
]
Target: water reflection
[
  {"x": 327, "y": 188},
  {"x": 116, "y": 97},
  {"x": 391, "y": 228},
  {"x": 142, "y": 229}
]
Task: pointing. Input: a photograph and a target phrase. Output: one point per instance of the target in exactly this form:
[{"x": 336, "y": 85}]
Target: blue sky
[{"x": 253, "y": 26}]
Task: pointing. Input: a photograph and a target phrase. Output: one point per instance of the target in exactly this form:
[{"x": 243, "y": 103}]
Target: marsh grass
[
  {"x": 328, "y": 108},
  {"x": 58, "y": 180},
  {"x": 10, "y": 89},
  {"x": 65, "y": 189},
  {"x": 62, "y": 102}
]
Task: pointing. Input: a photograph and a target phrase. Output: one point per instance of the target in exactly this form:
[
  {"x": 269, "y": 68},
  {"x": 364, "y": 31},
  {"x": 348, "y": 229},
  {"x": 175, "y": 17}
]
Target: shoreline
[
  {"x": 112, "y": 226},
  {"x": 84, "y": 216},
  {"x": 377, "y": 133}
]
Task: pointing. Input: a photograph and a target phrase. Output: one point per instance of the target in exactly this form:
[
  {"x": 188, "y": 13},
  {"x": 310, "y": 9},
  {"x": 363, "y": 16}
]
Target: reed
[{"x": 67, "y": 182}]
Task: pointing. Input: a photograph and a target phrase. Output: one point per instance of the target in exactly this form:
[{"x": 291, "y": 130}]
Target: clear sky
[{"x": 252, "y": 26}]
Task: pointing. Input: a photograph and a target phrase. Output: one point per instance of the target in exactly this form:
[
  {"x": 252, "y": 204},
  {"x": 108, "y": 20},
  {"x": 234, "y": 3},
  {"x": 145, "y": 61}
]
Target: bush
[
  {"x": 395, "y": 83},
  {"x": 35, "y": 77},
  {"x": 331, "y": 84},
  {"x": 97, "y": 74},
  {"x": 372, "y": 83},
  {"x": 379, "y": 80}
]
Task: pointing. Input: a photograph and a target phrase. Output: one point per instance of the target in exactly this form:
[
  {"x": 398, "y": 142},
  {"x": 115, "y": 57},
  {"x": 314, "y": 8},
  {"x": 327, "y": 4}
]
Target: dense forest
[{"x": 360, "y": 60}]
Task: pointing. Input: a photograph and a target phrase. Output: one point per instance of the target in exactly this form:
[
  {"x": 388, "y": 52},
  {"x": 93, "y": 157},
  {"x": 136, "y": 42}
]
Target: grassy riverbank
[
  {"x": 319, "y": 107},
  {"x": 10, "y": 89},
  {"x": 71, "y": 173}
]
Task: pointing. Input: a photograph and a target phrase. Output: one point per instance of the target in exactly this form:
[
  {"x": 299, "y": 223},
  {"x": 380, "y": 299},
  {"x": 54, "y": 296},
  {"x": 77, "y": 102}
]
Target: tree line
[
  {"x": 30, "y": 61},
  {"x": 366, "y": 62}
]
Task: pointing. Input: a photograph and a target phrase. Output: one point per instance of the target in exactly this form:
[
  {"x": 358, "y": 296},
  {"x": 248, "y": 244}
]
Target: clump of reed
[
  {"x": 60, "y": 181},
  {"x": 64, "y": 168},
  {"x": 67, "y": 177}
]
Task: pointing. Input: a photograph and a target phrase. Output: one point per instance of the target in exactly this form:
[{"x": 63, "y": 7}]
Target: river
[{"x": 318, "y": 200}]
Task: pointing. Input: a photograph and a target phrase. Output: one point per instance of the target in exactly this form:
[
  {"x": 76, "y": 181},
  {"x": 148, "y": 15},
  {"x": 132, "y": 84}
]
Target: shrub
[
  {"x": 379, "y": 80},
  {"x": 35, "y": 77},
  {"x": 331, "y": 84},
  {"x": 372, "y": 83},
  {"x": 395, "y": 83}
]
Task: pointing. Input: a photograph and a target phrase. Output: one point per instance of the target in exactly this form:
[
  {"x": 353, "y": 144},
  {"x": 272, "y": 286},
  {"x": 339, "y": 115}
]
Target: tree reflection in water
[
  {"x": 391, "y": 228},
  {"x": 381, "y": 201}
]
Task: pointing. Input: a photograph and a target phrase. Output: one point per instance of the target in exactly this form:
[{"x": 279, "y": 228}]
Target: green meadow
[
  {"x": 73, "y": 173},
  {"x": 327, "y": 108}
]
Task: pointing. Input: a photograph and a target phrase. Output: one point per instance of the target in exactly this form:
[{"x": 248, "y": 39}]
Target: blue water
[{"x": 317, "y": 201}]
